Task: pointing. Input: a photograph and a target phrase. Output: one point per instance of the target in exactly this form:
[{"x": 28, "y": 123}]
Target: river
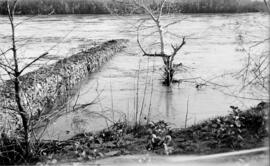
[{"x": 131, "y": 82}]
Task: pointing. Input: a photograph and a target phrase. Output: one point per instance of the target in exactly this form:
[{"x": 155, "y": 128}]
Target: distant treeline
[{"x": 124, "y": 7}]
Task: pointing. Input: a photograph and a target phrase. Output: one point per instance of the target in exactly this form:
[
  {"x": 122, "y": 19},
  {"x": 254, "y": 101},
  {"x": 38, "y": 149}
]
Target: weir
[{"x": 49, "y": 86}]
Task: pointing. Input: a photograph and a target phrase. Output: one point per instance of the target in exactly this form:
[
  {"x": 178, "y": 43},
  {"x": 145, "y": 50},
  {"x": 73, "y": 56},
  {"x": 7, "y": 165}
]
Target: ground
[{"x": 237, "y": 131}]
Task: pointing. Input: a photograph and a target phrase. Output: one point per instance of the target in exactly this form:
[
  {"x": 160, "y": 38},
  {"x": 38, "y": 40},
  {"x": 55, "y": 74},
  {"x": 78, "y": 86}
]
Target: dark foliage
[
  {"x": 31, "y": 7},
  {"x": 236, "y": 131},
  {"x": 12, "y": 151}
]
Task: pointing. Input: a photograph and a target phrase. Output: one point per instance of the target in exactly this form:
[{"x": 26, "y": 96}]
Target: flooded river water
[{"x": 131, "y": 82}]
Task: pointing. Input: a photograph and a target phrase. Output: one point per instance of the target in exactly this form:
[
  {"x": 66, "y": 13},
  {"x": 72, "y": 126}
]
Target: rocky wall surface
[{"x": 48, "y": 86}]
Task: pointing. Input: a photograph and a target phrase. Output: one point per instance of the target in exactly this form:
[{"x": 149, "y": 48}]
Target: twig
[
  {"x": 150, "y": 103},
  {"x": 144, "y": 92},
  {"x": 186, "y": 119},
  {"x": 267, "y": 5},
  {"x": 248, "y": 98},
  {"x": 172, "y": 23},
  {"x": 161, "y": 9},
  {"x": 137, "y": 95},
  {"x": 111, "y": 98}
]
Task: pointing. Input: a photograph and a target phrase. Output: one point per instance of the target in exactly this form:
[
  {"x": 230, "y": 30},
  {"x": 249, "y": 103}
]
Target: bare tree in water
[
  {"x": 168, "y": 58},
  {"x": 154, "y": 11}
]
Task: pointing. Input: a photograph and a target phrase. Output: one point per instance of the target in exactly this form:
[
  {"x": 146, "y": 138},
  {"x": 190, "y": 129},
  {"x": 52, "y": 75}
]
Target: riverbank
[
  {"x": 237, "y": 131},
  {"x": 34, "y": 7}
]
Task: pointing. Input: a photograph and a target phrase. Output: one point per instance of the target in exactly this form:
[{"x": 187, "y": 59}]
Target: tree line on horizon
[{"x": 31, "y": 7}]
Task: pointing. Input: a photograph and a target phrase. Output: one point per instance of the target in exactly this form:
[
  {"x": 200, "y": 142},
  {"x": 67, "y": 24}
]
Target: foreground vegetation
[
  {"x": 124, "y": 7},
  {"x": 236, "y": 131}
]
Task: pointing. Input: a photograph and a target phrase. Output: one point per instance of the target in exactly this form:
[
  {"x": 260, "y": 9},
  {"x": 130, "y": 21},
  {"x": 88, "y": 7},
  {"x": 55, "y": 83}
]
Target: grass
[
  {"x": 31, "y": 7},
  {"x": 236, "y": 131}
]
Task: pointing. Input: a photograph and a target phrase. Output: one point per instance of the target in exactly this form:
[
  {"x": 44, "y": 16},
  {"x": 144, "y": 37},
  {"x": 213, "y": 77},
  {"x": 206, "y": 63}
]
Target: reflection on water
[{"x": 131, "y": 83}]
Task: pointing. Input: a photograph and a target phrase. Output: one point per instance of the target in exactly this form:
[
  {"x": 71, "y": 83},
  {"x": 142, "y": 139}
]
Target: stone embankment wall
[{"x": 48, "y": 86}]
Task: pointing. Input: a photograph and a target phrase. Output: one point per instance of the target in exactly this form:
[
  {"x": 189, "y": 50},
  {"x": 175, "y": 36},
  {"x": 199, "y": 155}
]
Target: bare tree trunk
[
  {"x": 22, "y": 113},
  {"x": 16, "y": 74},
  {"x": 167, "y": 59}
]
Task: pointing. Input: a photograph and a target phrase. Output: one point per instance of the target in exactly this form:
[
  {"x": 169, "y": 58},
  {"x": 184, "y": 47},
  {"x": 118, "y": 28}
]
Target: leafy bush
[{"x": 238, "y": 130}]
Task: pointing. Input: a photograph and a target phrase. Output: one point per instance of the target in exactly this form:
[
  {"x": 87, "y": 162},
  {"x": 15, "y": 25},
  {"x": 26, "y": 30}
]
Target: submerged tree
[
  {"x": 168, "y": 58},
  {"x": 154, "y": 11}
]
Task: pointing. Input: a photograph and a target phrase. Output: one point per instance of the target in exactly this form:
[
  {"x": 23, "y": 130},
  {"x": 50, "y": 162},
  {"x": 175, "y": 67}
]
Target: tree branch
[
  {"x": 6, "y": 66},
  {"x": 4, "y": 52},
  {"x": 156, "y": 55},
  {"x": 172, "y": 23},
  {"x": 29, "y": 64},
  {"x": 267, "y": 5},
  {"x": 146, "y": 9},
  {"x": 25, "y": 20},
  {"x": 161, "y": 9},
  {"x": 138, "y": 37},
  {"x": 177, "y": 48}
]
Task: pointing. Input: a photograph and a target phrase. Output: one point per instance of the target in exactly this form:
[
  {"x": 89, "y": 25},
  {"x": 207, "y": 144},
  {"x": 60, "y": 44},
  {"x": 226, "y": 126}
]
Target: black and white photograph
[{"x": 134, "y": 82}]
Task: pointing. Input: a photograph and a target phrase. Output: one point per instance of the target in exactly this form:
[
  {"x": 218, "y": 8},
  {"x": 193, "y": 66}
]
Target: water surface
[{"x": 131, "y": 83}]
